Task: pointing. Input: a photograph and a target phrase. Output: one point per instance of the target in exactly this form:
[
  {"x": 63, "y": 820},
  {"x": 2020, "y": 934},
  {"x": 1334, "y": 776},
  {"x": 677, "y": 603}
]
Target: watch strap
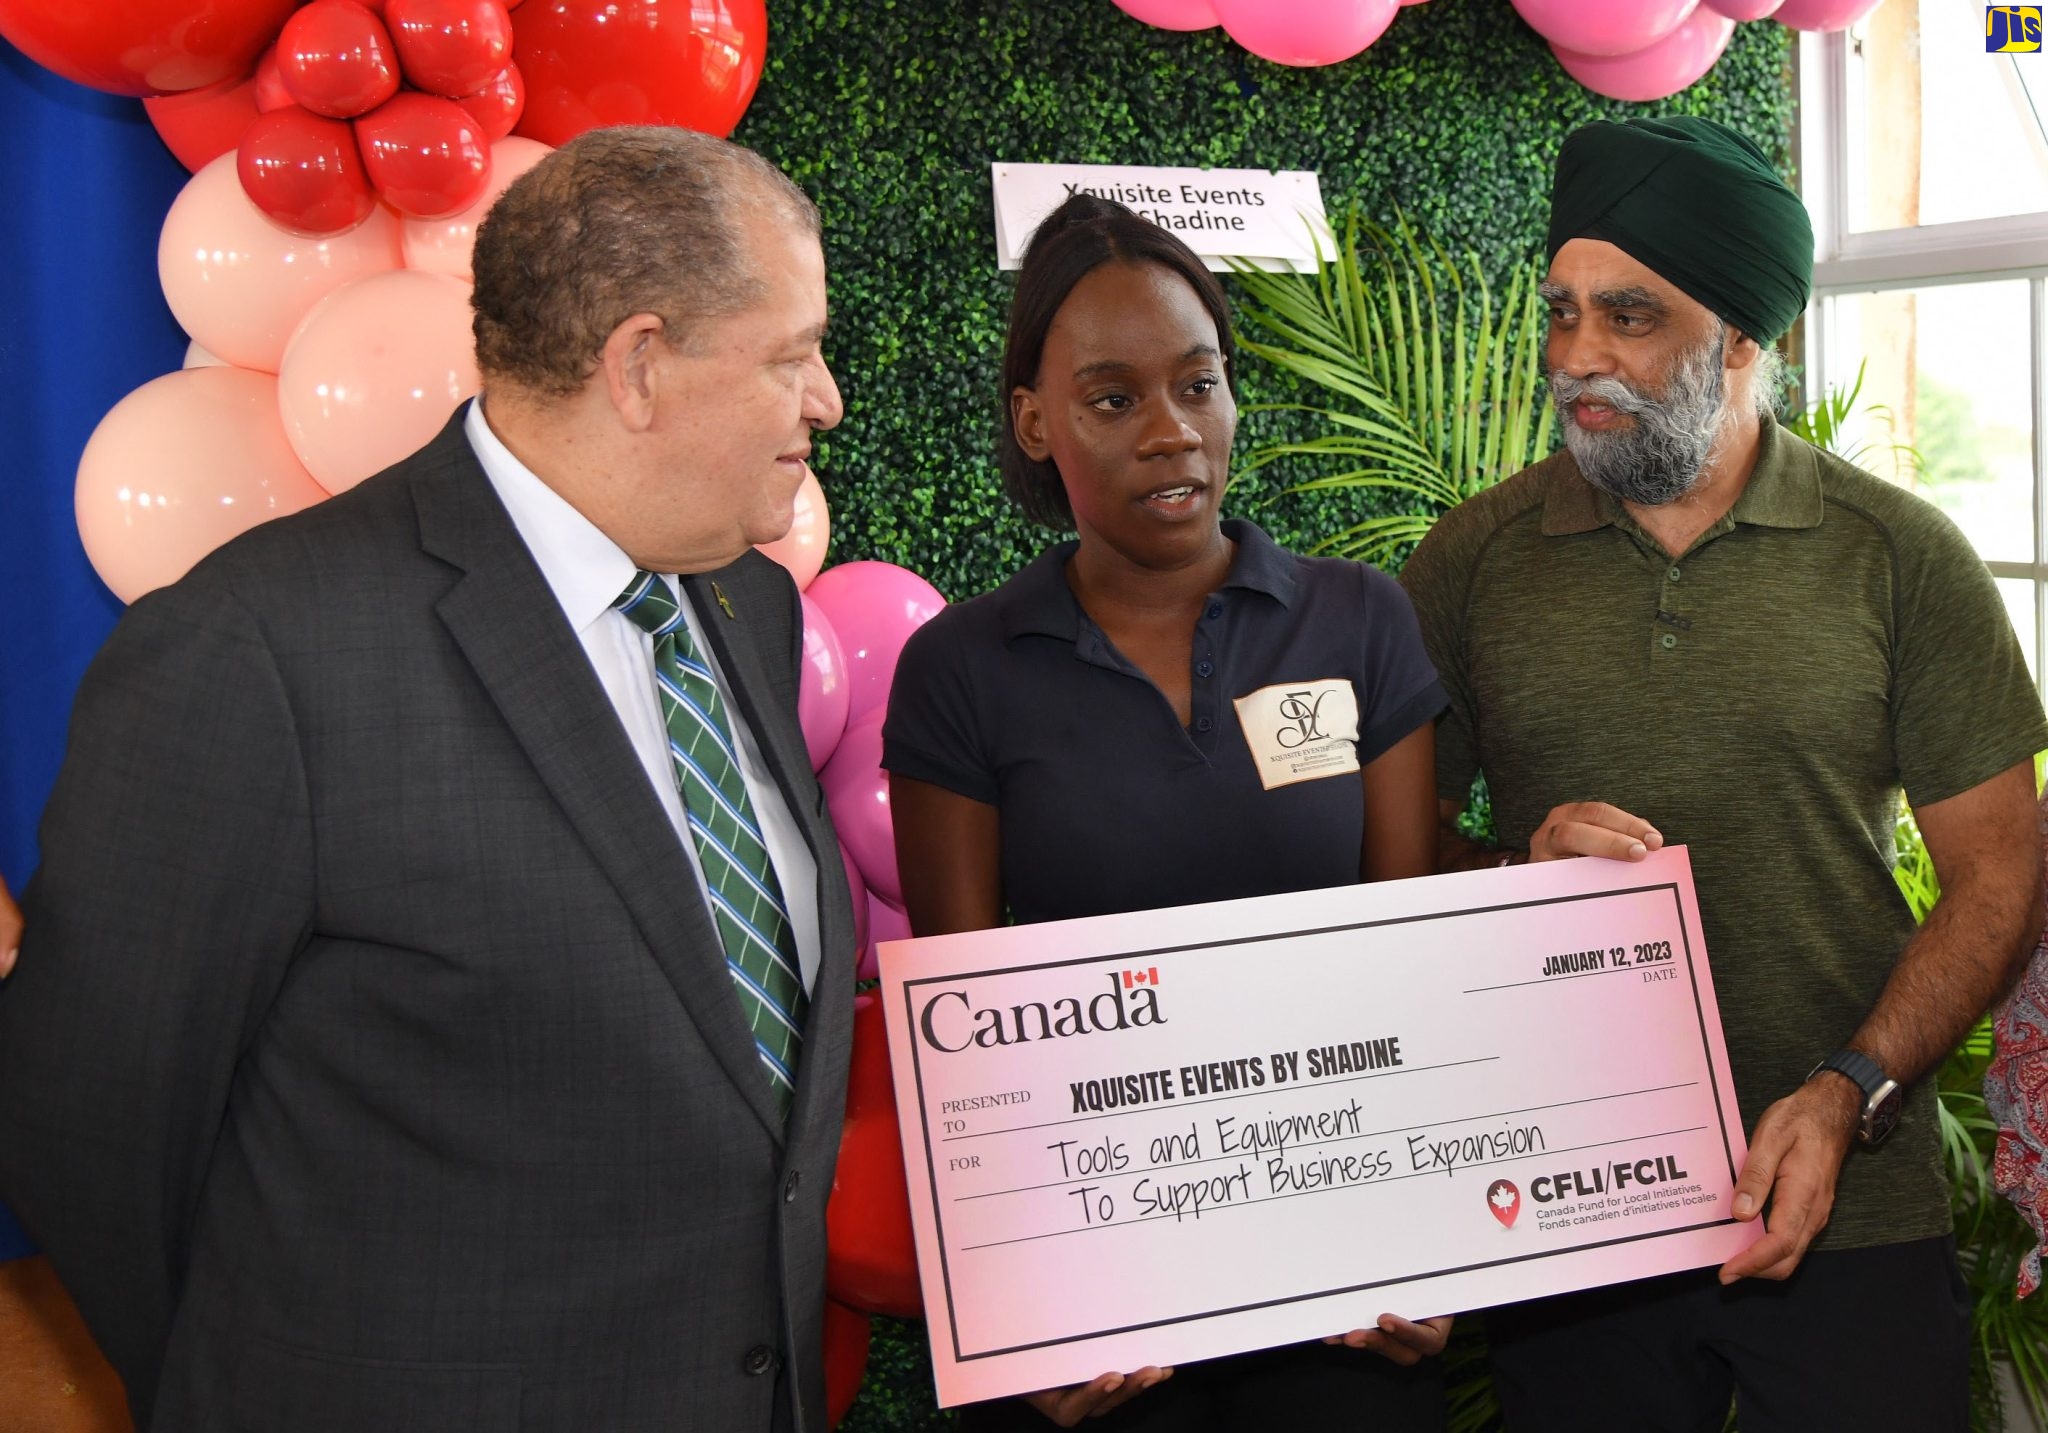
[{"x": 1866, "y": 1072}]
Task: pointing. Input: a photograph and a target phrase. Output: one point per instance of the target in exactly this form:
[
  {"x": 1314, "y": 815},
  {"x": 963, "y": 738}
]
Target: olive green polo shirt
[{"x": 1762, "y": 699}]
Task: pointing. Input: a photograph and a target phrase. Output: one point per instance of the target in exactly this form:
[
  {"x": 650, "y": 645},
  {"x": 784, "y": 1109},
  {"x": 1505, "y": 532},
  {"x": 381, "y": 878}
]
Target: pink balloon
[
  {"x": 442, "y": 246},
  {"x": 874, "y": 607},
  {"x": 1744, "y": 9},
  {"x": 802, "y": 548},
  {"x": 885, "y": 922},
  {"x": 1305, "y": 32},
  {"x": 859, "y": 891},
  {"x": 824, "y": 690},
  {"x": 1824, "y": 14},
  {"x": 374, "y": 372},
  {"x": 1604, "y": 27},
  {"x": 238, "y": 284},
  {"x": 1171, "y": 14},
  {"x": 857, "y": 790},
  {"x": 1667, "y": 67},
  {"x": 178, "y": 467}
]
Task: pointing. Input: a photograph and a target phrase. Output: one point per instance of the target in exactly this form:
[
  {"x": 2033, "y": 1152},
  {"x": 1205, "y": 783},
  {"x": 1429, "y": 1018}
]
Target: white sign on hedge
[{"x": 1268, "y": 219}]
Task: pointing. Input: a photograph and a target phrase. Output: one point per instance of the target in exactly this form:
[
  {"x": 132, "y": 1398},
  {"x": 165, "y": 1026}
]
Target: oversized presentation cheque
[{"x": 1168, "y": 1135}]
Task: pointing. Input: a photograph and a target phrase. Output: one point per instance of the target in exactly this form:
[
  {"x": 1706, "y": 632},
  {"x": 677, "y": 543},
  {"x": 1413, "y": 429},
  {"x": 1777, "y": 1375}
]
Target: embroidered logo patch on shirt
[{"x": 1301, "y": 731}]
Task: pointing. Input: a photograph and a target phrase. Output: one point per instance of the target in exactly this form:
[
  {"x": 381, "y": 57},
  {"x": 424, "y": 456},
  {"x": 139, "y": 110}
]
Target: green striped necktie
[{"x": 746, "y": 899}]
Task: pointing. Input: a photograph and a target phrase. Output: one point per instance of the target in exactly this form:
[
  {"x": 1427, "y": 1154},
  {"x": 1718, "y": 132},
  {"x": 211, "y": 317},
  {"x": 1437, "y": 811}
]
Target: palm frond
[{"x": 1435, "y": 382}]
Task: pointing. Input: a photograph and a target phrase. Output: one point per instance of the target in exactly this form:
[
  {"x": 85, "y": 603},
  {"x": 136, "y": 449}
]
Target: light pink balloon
[
  {"x": 1744, "y": 9},
  {"x": 859, "y": 891},
  {"x": 824, "y": 691},
  {"x": 857, "y": 790},
  {"x": 178, "y": 467},
  {"x": 885, "y": 922},
  {"x": 1824, "y": 14},
  {"x": 238, "y": 284},
  {"x": 197, "y": 357},
  {"x": 1604, "y": 27},
  {"x": 802, "y": 548},
  {"x": 1171, "y": 14},
  {"x": 374, "y": 372},
  {"x": 874, "y": 607},
  {"x": 1670, "y": 65},
  {"x": 1306, "y": 32},
  {"x": 443, "y": 246}
]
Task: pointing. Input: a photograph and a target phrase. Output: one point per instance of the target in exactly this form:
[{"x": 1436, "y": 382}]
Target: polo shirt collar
[
  {"x": 1783, "y": 491},
  {"x": 1038, "y": 601}
]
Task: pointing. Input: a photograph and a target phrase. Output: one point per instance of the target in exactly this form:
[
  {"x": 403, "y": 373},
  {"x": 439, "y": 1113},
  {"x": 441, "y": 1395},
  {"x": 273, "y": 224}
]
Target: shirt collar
[
  {"x": 585, "y": 569},
  {"x": 1783, "y": 490},
  {"x": 1039, "y": 601}
]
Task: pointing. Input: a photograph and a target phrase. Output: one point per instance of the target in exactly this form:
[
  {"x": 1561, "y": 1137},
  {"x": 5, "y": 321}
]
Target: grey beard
[{"x": 1658, "y": 458}]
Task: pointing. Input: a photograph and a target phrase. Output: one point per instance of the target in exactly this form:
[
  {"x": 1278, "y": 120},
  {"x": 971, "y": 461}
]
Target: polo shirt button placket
[{"x": 1668, "y": 641}]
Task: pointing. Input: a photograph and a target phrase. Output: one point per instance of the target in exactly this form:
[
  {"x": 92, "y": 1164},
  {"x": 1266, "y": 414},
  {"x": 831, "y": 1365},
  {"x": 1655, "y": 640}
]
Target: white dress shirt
[{"x": 587, "y": 571}]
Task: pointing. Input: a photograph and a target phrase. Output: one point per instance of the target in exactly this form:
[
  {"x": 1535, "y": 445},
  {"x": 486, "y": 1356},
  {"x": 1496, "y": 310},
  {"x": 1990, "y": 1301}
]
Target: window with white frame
[{"x": 1924, "y": 160}]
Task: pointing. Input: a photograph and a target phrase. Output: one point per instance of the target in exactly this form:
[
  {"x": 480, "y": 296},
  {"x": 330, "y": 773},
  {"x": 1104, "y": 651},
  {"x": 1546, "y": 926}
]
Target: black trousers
[
  {"x": 1309, "y": 1386},
  {"x": 1876, "y": 1340}
]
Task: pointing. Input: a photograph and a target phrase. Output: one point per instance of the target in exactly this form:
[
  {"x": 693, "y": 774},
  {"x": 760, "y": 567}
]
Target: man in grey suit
[{"x": 436, "y": 995}]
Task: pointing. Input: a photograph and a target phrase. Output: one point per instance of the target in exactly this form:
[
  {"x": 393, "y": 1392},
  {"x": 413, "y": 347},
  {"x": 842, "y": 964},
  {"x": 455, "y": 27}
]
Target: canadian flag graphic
[{"x": 1148, "y": 976}]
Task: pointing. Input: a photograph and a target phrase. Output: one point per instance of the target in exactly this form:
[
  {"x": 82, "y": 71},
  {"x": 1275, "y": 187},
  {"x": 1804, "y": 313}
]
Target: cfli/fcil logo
[{"x": 951, "y": 1022}]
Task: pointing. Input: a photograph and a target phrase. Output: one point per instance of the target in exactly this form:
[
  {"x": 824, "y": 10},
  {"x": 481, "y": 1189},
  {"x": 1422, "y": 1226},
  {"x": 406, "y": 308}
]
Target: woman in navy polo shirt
[{"x": 1168, "y": 709}]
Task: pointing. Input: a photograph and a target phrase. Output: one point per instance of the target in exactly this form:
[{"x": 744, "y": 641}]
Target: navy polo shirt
[{"x": 1107, "y": 803}]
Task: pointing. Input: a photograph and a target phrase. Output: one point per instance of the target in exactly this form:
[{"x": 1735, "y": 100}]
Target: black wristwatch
[{"x": 1882, "y": 1097}]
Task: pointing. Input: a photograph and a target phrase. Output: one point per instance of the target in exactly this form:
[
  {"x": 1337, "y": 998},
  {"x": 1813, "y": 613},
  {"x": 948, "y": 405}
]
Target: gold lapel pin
[{"x": 719, "y": 593}]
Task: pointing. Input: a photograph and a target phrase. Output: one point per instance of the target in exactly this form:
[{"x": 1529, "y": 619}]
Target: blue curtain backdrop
[{"x": 85, "y": 184}]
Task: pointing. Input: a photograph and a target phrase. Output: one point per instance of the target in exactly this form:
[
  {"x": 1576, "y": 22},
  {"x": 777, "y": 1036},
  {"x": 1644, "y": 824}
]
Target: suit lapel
[{"x": 506, "y": 620}]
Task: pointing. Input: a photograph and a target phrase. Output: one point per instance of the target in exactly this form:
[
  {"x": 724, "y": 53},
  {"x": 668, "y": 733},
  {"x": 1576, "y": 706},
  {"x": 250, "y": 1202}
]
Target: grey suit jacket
[{"x": 372, "y": 1063}]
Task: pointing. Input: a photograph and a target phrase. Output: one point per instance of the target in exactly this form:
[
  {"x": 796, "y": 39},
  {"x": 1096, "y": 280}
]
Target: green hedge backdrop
[{"x": 890, "y": 113}]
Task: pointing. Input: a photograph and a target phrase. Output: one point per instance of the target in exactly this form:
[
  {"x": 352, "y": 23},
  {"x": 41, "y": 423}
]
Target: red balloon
[
  {"x": 590, "y": 63},
  {"x": 302, "y": 170},
  {"x": 870, "y": 1252},
  {"x": 846, "y": 1358},
  {"x": 497, "y": 106},
  {"x": 270, "y": 91},
  {"x": 202, "y": 125},
  {"x": 426, "y": 155},
  {"x": 450, "y": 47},
  {"x": 337, "y": 59},
  {"x": 144, "y": 47}
]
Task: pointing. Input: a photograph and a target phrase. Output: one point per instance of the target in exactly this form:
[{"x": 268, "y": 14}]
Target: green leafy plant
[
  {"x": 1436, "y": 389},
  {"x": 1829, "y": 422}
]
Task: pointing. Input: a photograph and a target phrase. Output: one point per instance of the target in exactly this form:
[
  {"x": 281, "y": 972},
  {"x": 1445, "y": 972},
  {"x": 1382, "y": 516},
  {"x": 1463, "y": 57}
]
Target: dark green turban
[{"x": 1699, "y": 204}]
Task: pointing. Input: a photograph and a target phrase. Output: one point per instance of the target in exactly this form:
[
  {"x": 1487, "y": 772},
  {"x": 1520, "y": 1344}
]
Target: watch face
[{"x": 1883, "y": 1113}]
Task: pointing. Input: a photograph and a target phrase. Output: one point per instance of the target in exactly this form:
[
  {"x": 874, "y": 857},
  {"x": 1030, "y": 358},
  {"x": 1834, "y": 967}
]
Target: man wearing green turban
[{"x": 1691, "y": 626}]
